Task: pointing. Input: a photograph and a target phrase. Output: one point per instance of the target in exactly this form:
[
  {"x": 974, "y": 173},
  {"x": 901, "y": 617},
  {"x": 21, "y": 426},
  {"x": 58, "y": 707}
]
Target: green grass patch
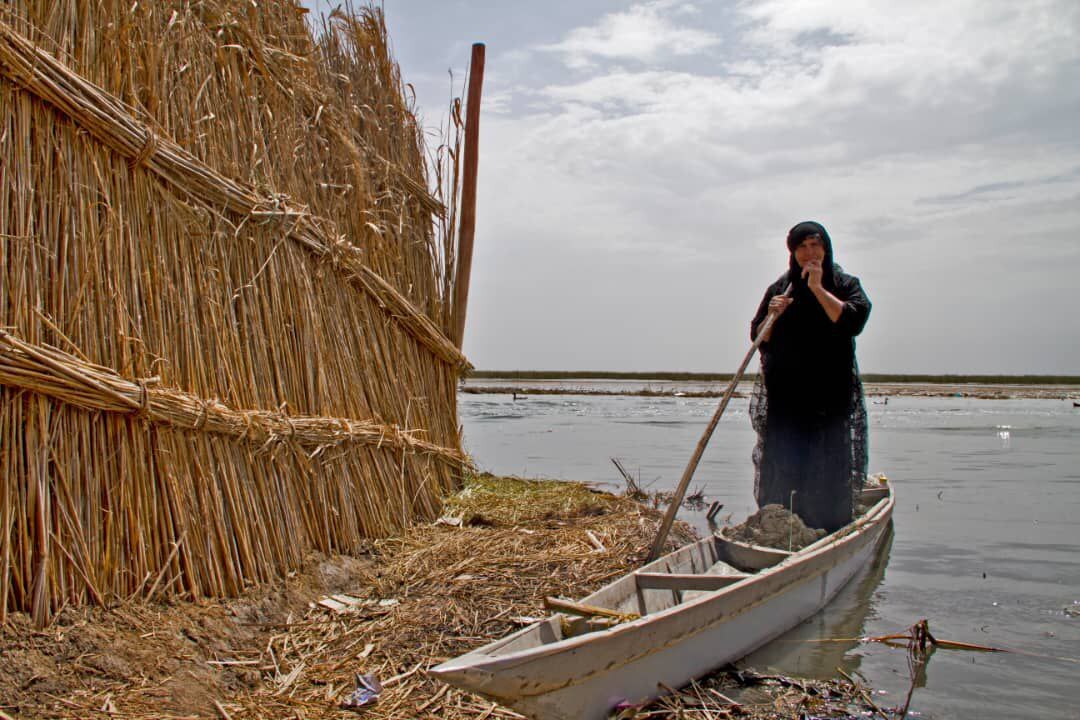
[{"x": 493, "y": 500}]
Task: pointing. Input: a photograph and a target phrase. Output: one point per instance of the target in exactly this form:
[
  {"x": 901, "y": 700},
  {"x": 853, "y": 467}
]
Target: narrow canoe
[{"x": 702, "y": 606}]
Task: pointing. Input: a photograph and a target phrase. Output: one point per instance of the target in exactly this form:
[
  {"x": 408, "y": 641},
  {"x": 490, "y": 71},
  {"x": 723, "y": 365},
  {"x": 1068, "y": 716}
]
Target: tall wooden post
[{"x": 468, "y": 193}]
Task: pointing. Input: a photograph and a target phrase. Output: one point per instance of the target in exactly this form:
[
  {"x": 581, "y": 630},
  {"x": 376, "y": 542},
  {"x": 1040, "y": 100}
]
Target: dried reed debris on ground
[
  {"x": 432, "y": 593},
  {"x": 154, "y": 660},
  {"x": 448, "y": 587},
  {"x": 750, "y": 695}
]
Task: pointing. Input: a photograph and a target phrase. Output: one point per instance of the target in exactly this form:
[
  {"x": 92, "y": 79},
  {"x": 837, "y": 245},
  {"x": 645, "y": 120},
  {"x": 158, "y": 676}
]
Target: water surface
[{"x": 986, "y": 539}]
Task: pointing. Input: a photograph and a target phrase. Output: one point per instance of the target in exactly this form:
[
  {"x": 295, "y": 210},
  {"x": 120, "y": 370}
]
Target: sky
[{"x": 641, "y": 163}]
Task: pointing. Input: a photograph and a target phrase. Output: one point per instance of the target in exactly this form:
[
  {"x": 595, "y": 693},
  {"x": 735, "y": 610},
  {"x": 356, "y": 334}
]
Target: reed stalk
[{"x": 224, "y": 295}]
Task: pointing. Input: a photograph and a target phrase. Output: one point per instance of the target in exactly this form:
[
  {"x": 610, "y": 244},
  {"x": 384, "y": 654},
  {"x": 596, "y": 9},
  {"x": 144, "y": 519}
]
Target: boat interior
[{"x": 703, "y": 567}]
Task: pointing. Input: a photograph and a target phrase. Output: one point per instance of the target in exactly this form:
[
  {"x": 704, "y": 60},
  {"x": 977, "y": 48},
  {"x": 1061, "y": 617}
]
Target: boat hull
[{"x": 583, "y": 678}]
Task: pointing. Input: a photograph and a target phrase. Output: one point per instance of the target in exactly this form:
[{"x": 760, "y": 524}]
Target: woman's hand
[
  {"x": 778, "y": 305},
  {"x": 832, "y": 305},
  {"x": 812, "y": 272}
]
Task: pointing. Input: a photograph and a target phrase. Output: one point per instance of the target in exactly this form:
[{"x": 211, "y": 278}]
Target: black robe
[{"x": 808, "y": 407}]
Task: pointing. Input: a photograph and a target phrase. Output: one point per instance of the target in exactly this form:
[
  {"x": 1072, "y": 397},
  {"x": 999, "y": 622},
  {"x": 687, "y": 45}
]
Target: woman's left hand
[{"x": 812, "y": 272}]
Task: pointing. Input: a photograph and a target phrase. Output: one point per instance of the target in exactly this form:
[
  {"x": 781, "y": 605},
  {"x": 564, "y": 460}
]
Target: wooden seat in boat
[{"x": 685, "y": 581}]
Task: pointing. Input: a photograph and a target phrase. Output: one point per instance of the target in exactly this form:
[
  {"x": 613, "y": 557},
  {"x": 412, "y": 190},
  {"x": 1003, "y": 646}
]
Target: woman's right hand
[{"x": 778, "y": 305}]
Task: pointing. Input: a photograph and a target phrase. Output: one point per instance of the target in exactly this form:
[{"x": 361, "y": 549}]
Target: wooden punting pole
[
  {"x": 468, "y": 193},
  {"x": 676, "y": 501}
]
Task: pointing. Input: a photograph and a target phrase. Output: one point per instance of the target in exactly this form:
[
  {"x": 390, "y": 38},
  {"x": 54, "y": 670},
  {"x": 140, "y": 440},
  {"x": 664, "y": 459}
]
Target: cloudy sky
[{"x": 641, "y": 163}]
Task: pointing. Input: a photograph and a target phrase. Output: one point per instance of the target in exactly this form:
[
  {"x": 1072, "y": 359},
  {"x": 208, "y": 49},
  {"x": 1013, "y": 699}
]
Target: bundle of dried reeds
[{"x": 224, "y": 289}]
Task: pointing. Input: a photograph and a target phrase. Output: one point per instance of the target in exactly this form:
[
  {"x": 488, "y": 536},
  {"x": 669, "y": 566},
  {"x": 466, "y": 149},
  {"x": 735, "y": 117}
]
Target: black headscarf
[{"x": 828, "y": 272}]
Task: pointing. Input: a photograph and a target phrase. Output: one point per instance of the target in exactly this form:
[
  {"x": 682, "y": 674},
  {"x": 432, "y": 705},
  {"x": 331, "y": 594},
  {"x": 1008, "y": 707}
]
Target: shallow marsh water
[{"x": 986, "y": 543}]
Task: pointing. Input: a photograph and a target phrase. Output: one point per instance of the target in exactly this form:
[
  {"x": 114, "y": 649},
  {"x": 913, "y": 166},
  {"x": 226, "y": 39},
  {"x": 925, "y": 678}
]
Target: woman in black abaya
[{"x": 808, "y": 407}]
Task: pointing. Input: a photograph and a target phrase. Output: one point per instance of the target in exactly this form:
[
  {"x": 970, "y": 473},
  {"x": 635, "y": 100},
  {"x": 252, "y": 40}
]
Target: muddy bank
[
  {"x": 295, "y": 650},
  {"x": 149, "y": 660}
]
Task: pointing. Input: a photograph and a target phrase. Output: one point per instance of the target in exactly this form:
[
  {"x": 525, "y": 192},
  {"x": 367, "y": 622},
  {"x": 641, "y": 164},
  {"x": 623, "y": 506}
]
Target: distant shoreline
[
  {"x": 874, "y": 390},
  {"x": 868, "y": 378}
]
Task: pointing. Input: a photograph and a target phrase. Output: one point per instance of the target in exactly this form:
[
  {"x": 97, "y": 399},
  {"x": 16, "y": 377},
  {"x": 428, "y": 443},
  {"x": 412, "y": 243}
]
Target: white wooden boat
[{"x": 701, "y": 607}]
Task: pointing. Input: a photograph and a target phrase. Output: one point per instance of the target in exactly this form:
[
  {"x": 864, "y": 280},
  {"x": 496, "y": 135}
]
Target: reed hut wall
[{"x": 224, "y": 299}]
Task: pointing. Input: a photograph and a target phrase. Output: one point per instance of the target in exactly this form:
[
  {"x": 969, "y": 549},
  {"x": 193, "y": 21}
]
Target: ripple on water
[
  {"x": 489, "y": 417},
  {"x": 655, "y": 423}
]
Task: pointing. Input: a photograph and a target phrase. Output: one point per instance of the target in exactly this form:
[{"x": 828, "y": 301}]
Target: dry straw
[
  {"x": 431, "y": 592},
  {"x": 224, "y": 294}
]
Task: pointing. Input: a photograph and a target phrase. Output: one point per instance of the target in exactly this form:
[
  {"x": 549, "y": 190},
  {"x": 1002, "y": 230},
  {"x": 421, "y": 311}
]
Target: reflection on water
[{"x": 987, "y": 529}]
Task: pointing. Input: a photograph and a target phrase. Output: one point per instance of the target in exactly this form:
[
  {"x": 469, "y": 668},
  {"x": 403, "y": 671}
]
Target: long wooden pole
[
  {"x": 676, "y": 501},
  {"x": 468, "y": 193}
]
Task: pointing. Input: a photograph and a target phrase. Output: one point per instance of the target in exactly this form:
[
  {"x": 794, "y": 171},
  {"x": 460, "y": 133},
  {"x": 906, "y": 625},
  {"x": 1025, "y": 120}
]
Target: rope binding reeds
[
  {"x": 225, "y": 294},
  {"x": 107, "y": 119},
  {"x": 64, "y": 377}
]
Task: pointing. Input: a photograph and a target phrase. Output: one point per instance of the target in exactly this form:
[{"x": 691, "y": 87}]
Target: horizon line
[{"x": 871, "y": 377}]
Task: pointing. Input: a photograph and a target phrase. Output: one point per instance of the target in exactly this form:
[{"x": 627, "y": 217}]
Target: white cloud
[
  {"x": 633, "y": 207},
  {"x": 919, "y": 82},
  {"x": 927, "y": 42},
  {"x": 645, "y": 32}
]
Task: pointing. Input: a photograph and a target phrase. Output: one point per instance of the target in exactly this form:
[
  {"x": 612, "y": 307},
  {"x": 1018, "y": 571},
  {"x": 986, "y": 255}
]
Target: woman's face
[{"x": 811, "y": 249}]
